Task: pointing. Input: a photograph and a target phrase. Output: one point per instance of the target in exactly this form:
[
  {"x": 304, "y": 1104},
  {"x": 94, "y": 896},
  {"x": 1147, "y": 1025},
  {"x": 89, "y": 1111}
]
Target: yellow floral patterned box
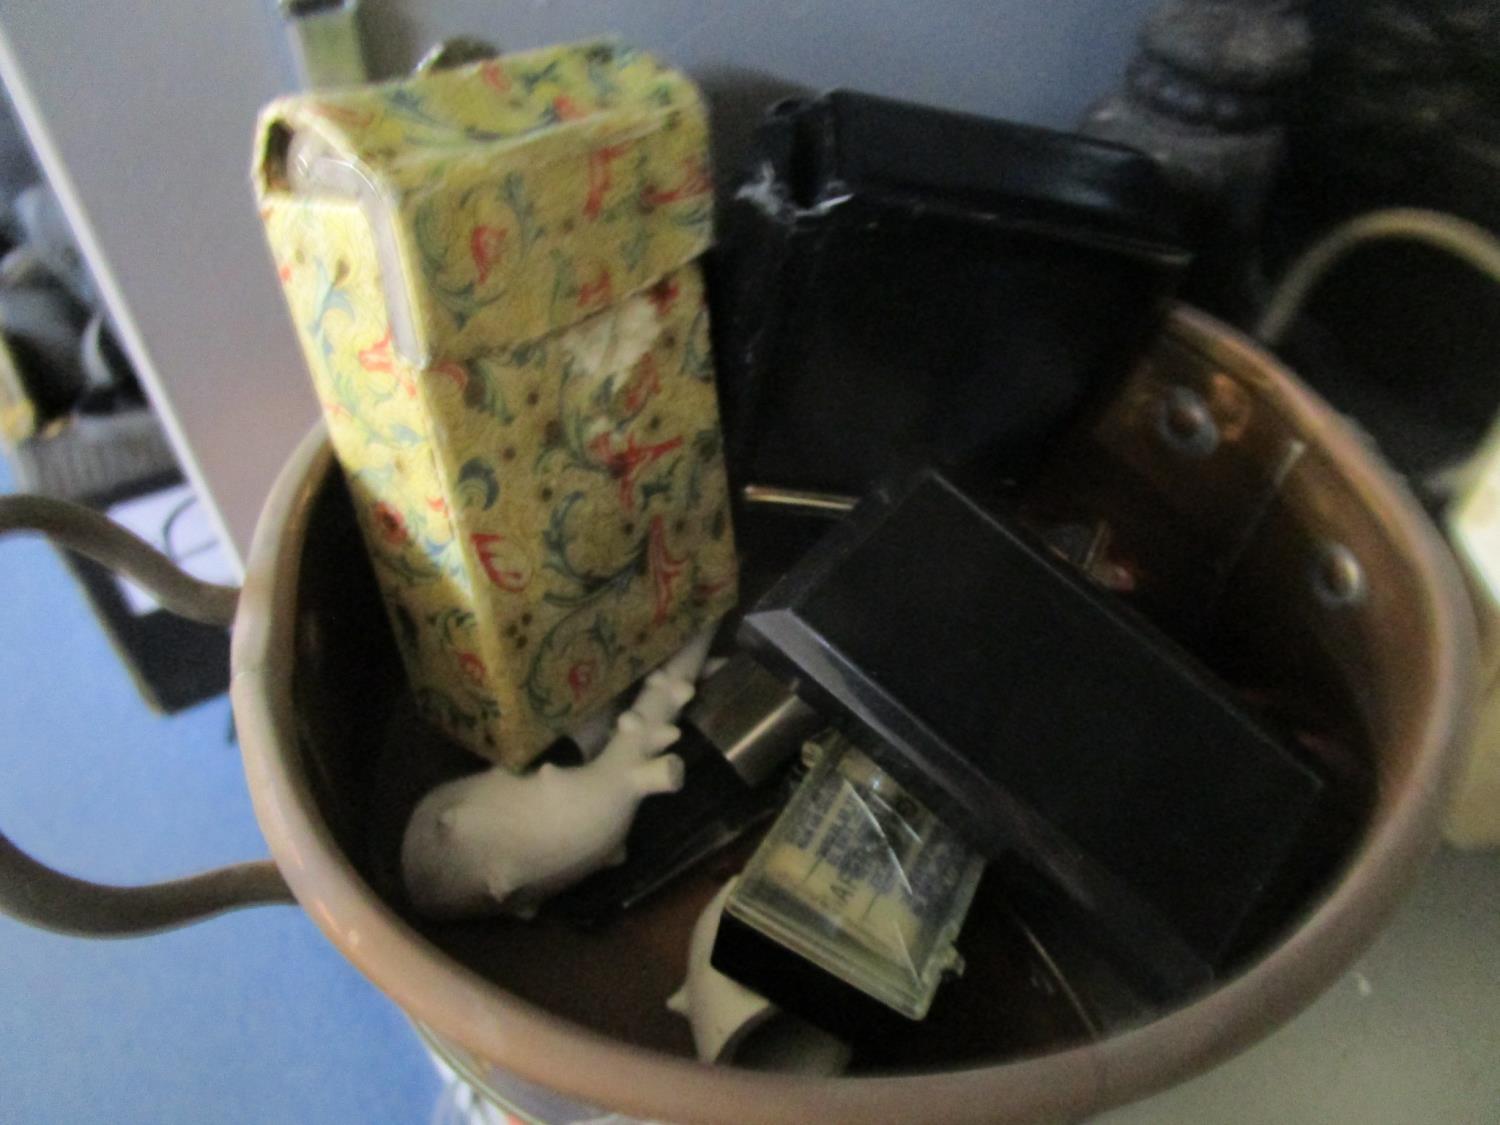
[{"x": 491, "y": 270}]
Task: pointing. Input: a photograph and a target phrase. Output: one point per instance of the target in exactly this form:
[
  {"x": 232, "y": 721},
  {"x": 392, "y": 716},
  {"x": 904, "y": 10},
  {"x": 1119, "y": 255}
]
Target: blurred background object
[
  {"x": 324, "y": 37},
  {"x": 1350, "y": 146},
  {"x": 1208, "y": 95}
]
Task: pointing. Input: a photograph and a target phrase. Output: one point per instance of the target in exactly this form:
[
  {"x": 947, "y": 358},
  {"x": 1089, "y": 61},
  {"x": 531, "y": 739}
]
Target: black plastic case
[
  {"x": 1047, "y": 723},
  {"x": 898, "y": 283}
]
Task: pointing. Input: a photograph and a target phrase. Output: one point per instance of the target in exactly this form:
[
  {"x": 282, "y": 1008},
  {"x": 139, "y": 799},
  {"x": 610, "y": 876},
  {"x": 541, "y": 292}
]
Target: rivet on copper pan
[
  {"x": 1338, "y": 579},
  {"x": 1185, "y": 422}
]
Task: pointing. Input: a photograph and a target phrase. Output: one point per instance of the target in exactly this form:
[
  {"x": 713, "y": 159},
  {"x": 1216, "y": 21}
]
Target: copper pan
[{"x": 1281, "y": 522}]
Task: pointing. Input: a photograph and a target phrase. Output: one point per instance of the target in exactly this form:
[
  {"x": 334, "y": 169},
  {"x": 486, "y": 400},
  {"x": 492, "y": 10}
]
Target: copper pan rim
[{"x": 537, "y": 1046}]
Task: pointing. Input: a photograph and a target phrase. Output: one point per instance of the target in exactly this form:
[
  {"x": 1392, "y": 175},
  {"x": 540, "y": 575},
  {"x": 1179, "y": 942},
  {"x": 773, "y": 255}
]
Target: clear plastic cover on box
[{"x": 859, "y": 878}]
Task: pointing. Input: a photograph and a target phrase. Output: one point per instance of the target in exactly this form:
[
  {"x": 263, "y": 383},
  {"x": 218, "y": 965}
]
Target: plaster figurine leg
[{"x": 733, "y": 1024}]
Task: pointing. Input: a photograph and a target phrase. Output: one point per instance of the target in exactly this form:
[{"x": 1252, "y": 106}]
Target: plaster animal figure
[
  {"x": 732, "y": 1023},
  {"x": 501, "y": 842}
]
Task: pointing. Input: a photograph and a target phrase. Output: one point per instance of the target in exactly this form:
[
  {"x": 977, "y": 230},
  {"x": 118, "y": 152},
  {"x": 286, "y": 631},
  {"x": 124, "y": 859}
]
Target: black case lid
[
  {"x": 897, "y": 284},
  {"x": 978, "y": 171},
  {"x": 1042, "y": 718}
]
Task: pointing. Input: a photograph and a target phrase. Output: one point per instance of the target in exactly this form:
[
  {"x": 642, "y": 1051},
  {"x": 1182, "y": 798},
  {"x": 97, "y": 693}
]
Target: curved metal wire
[
  {"x": 33, "y": 892},
  {"x": 1466, "y": 241},
  {"x": 95, "y": 536}
]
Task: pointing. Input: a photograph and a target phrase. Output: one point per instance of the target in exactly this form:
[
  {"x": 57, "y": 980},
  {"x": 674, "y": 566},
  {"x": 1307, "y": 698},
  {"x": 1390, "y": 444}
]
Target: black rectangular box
[
  {"x": 1045, "y": 721},
  {"x": 897, "y": 283}
]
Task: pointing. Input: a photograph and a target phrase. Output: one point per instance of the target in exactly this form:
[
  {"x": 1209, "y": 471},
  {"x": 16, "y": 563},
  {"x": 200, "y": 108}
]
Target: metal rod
[{"x": 797, "y": 499}]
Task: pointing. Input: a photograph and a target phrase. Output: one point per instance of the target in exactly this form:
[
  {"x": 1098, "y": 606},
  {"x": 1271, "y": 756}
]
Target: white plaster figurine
[
  {"x": 500, "y": 842},
  {"x": 732, "y": 1023}
]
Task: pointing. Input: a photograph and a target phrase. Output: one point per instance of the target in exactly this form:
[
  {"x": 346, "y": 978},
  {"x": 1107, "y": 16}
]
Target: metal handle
[
  {"x": 35, "y": 893},
  {"x": 1466, "y": 241}
]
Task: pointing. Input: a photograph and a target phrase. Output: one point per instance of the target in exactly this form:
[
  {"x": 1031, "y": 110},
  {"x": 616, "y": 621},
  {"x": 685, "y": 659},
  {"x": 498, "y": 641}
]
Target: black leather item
[
  {"x": 897, "y": 282},
  {"x": 1045, "y": 722}
]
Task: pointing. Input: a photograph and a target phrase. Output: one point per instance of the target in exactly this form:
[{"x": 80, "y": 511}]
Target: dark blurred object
[
  {"x": 17, "y": 170},
  {"x": 897, "y": 282},
  {"x": 1403, "y": 110},
  {"x": 62, "y": 355},
  {"x": 1208, "y": 95},
  {"x": 110, "y": 380},
  {"x": 60, "y": 358},
  {"x": 1045, "y": 721}
]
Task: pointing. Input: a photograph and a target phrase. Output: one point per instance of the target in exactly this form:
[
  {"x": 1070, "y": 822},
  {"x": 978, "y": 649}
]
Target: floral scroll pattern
[{"x": 543, "y": 496}]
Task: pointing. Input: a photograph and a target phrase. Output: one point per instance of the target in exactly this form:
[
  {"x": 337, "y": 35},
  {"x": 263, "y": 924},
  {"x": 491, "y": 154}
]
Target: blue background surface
[{"x": 250, "y": 1017}]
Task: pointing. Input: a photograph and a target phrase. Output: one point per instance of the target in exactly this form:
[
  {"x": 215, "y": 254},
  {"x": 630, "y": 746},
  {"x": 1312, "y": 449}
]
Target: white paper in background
[
  {"x": 176, "y": 524},
  {"x": 1474, "y": 523}
]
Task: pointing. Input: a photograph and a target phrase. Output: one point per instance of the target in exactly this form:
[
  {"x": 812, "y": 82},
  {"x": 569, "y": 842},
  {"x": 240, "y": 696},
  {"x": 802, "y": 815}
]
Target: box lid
[
  {"x": 978, "y": 174},
  {"x": 509, "y": 197}
]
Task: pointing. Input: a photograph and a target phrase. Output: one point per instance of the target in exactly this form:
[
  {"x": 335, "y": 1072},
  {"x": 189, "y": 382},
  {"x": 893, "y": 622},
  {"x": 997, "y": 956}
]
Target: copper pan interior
[{"x": 1237, "y": 552}]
